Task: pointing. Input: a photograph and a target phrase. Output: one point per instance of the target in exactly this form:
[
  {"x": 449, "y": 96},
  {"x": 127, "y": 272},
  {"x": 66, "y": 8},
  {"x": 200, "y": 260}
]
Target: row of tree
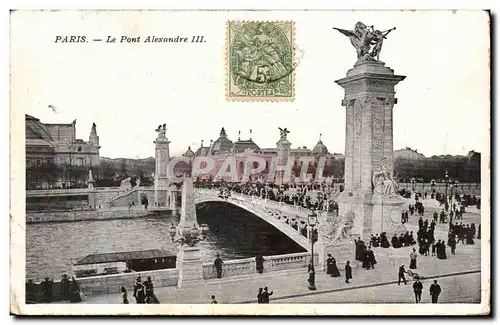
[
  {"x": 462, "y": 169},
  {"x": 112, "y": 172}
]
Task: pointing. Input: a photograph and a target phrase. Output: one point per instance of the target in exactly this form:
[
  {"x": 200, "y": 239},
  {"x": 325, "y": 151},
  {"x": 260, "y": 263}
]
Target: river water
[{"x": 234, "y": 233}]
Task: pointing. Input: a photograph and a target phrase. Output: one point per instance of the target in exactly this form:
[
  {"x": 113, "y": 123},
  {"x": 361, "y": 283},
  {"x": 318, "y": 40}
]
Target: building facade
[
  {"x": 242, "y": 149},
  {"x": 53, "y": 153}
]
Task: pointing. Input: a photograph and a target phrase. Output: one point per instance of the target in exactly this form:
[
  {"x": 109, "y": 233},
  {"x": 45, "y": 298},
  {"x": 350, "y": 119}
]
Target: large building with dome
[{"x": 219, "y": 149}]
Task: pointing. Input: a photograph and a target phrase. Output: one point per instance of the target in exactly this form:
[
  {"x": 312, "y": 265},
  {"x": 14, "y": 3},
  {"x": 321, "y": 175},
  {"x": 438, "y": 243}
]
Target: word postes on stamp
[{"x": 260, "y": 61}]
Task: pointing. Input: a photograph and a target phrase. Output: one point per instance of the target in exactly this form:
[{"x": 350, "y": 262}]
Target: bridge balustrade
[{"x": 271, "y": 264}]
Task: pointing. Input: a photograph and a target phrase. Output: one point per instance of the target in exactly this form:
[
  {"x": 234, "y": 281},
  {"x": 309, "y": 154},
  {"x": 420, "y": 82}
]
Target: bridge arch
[{"x": 262, "y": 212}]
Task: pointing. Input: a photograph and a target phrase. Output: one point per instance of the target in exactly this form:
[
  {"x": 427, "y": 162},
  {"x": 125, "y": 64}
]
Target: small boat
[{"x": 123, "y": 262}]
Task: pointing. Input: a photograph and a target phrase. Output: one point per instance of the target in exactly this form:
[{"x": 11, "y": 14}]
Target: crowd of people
[
  {"x": 310, "y": 196},
  {"x": 364, "y": 254},
  {"x": 143, "y": 292},
  {"x": 403, "y": 240}
]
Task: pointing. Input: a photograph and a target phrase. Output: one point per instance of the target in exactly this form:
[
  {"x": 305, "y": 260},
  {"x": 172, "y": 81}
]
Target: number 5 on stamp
[{"x": 260, "y": 61}]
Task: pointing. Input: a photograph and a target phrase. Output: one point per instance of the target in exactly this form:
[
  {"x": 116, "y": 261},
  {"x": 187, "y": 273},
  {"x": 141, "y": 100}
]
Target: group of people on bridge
[{"x": 309, "y": 196}]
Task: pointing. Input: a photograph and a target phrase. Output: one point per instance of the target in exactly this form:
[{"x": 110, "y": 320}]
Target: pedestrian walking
[
  {"x": 259, "y": 296},
  {"x": 76, "y": 295},
  {"x": 265, "y": 295},
  {"x": 348, "y": 272},
  {"x": 417, "y": 290},
  {"x": 124, "y": 295},
  {"x": 371, "y": 258},
  {"x": 212, "y": 300},
  {"x": 139, "y": 291},
  {"x": 435, "y": 291},
  {"x": 218, "y": 266},
  {"x": 413, "y": 259},
  {"x": 259, "y": 264},
  {"x": 401, "y": 274},
  {"x": 150, "y": 295}
]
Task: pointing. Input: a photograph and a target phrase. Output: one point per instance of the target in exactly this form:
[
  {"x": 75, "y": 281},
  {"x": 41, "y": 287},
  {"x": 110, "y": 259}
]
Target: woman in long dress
[
  {"x": 329, "y": 264},
  {"x": 335, "y": 270},
  {"x": 366, "y": 259},
  {"x": 413, "y": 259}
]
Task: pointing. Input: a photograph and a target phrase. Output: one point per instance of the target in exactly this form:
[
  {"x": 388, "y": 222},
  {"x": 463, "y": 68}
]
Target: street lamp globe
[
  {"x": 194, "y": 232},
  {"x": 172, "y": 230},
  {"x": 312, "y": 219},
  {"x": 204, "y": 228}
]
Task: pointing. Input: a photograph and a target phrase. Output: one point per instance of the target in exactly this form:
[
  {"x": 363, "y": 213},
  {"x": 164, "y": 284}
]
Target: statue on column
[
  {"x": 366, "y": 40},
  {"x": 162, "y": 129},
  {"x": 283, "y": 133}
]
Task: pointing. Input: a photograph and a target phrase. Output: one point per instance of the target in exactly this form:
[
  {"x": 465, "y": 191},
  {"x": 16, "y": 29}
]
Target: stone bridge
[{"x": 290, "y": 220}]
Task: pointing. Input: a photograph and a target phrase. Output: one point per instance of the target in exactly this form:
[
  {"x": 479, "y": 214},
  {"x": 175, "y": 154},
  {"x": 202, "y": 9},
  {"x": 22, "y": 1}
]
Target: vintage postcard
[{"x": 250, "y": 162}]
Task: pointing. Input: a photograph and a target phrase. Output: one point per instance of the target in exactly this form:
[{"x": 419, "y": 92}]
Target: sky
[{"x": 128, "y": 89}]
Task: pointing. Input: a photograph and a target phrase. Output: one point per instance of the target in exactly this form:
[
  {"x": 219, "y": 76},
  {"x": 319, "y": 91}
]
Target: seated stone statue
[{"x": 383, "y": 183}]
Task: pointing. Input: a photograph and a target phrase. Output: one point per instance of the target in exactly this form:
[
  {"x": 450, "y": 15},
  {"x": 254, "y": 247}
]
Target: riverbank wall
[{"x": 87, "y": 215}]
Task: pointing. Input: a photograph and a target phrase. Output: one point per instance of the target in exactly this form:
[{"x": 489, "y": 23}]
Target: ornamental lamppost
[
  {"x": 312, "y": 220},
  {"x": 446, "y": 186},
  {"x": 188, "y": 236}
]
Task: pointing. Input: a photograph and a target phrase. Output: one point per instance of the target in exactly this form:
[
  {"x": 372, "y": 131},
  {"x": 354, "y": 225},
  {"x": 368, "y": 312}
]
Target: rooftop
[{"x": 124, "y": 256}]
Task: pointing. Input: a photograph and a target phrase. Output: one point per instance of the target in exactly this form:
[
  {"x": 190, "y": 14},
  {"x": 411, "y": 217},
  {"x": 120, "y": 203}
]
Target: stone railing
[
  {"x": 123, "y": 193},
  {"x": 110, "y": 284},
  {"x": 271, "y": 264},
  {"x": 105, "y": 284},
  {"x": 85, "y": 215},
  {"x": 56, "y": 192},
  {"x": 290, "y": 261},
  {"x": 230, "y": 268}
]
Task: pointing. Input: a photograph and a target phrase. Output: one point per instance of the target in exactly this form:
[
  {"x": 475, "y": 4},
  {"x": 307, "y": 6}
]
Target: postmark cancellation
[{"x": 260, "y": 61}]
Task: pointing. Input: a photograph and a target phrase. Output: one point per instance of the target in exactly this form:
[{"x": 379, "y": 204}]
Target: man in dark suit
[
  {"x": 435, "y": 291},
  {"x": 401, "y": 275},
  {"x": 218, "y": 266},
  {"x": 417, "y": 289}
]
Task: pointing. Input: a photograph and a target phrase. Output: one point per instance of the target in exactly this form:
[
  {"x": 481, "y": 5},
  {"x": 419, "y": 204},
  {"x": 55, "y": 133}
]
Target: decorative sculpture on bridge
[
  {"x": 383, "y": 184},
  {"x": 126, "y": 184},
  {"x": 162, "y": 129},
  {"x": 338, "y": 230},
  {"x": 366, "y": 40}
]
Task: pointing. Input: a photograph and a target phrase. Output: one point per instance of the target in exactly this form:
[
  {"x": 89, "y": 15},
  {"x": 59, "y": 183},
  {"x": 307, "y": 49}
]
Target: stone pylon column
[
  {"x": 189, "y": 262},
  {"x": 283, "y": 146},
  {"x": 162, "y": 159},
  {"x": 369, "y": 100}
]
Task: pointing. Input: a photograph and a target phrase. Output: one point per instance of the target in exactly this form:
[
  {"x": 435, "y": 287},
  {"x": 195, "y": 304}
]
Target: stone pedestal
[
  {"x": 361, "y": 208},
  {"x": 369, "y": 101},
  {"x": 162, "y": 159},
  {"x": 190, "y": 267},
  {"x": 387, "y": 216}
]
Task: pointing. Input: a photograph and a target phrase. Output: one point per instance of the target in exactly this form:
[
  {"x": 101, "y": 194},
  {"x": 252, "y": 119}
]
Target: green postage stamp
[{"x": 260, "y": 61}]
